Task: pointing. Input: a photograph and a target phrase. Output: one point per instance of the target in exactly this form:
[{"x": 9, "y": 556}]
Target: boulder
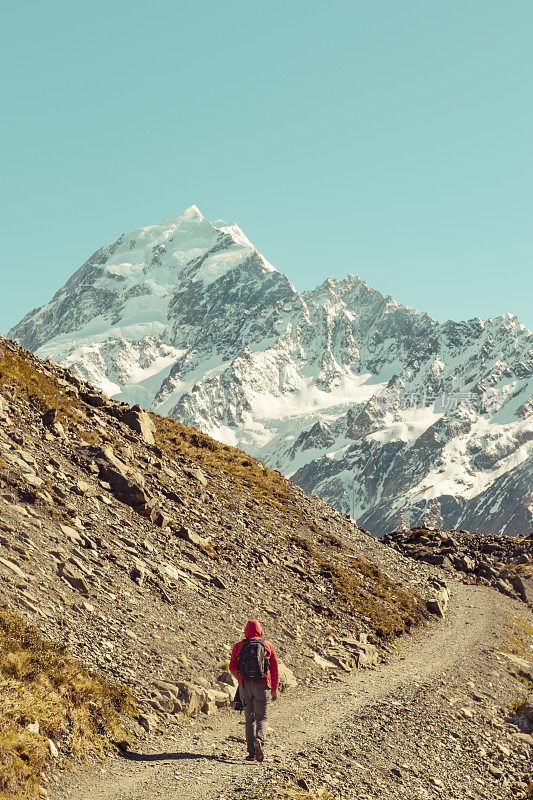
[
  {"x": 168, "y": 697},
  {"x": 523, "y": 584},
  {"x": 524, "y": 724},
  {"x": 229, "y": 679},
  {"x": 228, "y": 690},
  {"x": 504, "y": 587},
  {"x": 209, "y": 707},
  {"x": 323, "y": 663},
  {"x": 439, "y": 559},
  {"x": 464, "y": 563},
  {"x": 435, "y": 606},
  {"x": 365, "y": 654},
  {"x": 528, "y": 708},
  {"x": 49, "y": 417},
  {"x": 160, "y": 519},
  {"x": 126, "y": 484},
  {"x": 175, "y": 574},
  {"x": 84, "y": 489},
  {"x": 148, "y": 509},
  {"x": 33, "y": 480},
  {"x": 220, "y": 698},
  {"x": 340, "y": 661},
  {"x": 196, "y": 473},
  {"x": 287, "y": 679},
  {"x": 13, "y": 568},
  {"x": 139, "y": 421},
  {"x": 193, "y": 538},
  {"x": 523, "y": 666},
  {"x": 74, "y": 578},
  {"x": 193, "y": 698},
  {"x": 71, "y": 533},
  {"x": 437, "y": 603},
  {"x": 52, "y": 747},
  {"x": 138, "y": 574},
  {"x": 147, "y": 721},
  {"x": 94, "y": 400},
  {"x": 164, "y": 702}
]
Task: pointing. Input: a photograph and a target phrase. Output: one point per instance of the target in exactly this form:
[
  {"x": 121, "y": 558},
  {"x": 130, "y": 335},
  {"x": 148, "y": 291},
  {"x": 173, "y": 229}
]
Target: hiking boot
[
  {"x": 250, "y": 757},
  {"x": 258, "y": 746}
]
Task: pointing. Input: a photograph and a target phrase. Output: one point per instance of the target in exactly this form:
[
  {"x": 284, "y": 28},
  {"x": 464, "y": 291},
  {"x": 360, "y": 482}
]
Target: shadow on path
[{"x": 130, "y": 756}]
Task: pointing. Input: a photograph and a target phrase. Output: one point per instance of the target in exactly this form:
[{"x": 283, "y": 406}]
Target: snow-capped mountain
[{"x": 370, "y": 403}]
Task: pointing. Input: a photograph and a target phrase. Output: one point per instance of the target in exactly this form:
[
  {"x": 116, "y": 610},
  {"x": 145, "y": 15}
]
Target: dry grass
[
  {"x": 519, "y": 705},
  {"x": 291, "y": 792},
  {"x": 245, "y": 472},
  {"x": 364, "y": 589},
  {"x": 40, "y": 683},
  {"x": 361, "y": 586},
  {"x": 520, "y": 638},
  {"x": 43, "y": 392}
]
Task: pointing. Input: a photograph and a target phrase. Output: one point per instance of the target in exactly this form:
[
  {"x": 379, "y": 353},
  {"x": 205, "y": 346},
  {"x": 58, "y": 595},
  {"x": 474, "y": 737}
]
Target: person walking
[{"x": 254, "y": 663}]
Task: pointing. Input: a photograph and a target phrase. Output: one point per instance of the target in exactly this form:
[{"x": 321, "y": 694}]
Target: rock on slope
[
  {"x": 365, "y": 401},
  {"x": 146, "y": 545},
  {"x": 502, "y": 562}
]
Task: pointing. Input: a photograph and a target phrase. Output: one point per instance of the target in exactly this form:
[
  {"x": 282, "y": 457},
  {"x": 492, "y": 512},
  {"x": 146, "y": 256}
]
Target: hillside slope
[
  {"x": 145, "y": 546},
  {"x": 367, "y": 402}
]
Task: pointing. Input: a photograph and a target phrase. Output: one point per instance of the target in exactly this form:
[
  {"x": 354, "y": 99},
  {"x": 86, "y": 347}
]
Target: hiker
[{"x": 255, "y": 665}]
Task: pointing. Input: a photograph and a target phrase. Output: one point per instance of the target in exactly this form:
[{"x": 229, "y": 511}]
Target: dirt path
[{"x": 350, "y": 734}]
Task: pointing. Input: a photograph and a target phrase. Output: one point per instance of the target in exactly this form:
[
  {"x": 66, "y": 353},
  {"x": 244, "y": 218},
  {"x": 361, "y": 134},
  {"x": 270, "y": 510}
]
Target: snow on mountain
[{"x": 370, "y": 403}]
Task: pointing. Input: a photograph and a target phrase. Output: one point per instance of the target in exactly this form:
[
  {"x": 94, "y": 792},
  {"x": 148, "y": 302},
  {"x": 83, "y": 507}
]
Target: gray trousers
[{"x": 256, "y": 700}]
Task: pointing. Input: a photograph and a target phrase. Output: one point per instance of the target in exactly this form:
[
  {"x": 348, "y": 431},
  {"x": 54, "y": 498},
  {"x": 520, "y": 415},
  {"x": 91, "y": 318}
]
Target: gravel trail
[{"x": 421, "y": 725}]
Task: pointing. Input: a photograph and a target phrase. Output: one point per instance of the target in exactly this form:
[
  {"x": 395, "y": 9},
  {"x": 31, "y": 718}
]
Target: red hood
[{"x": 253, "y": 630}]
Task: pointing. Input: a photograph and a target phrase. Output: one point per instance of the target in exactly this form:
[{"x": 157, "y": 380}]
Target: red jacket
[{"x": 254, "y": 630}]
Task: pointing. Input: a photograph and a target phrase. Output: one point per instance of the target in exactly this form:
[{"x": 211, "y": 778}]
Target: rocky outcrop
[
  {"x": 502, "y": 562},
  {"x": 140, "y": 422}
]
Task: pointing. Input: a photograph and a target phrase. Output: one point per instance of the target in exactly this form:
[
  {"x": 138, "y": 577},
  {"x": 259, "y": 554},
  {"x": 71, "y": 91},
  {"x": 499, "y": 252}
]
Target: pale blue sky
[{"x": 390, "y": 138}]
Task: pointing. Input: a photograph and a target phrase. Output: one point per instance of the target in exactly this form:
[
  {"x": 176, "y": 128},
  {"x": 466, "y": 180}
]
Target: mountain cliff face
[{"x": 367, "y": 402}]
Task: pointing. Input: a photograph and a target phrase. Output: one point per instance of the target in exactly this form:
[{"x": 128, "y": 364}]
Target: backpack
[{"x": 253, "y": 661}]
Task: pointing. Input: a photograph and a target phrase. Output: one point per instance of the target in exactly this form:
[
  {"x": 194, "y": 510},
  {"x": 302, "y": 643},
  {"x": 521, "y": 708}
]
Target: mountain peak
[
  {"x": 162, "y": 317},
  {"x": 189, "y": 214}
]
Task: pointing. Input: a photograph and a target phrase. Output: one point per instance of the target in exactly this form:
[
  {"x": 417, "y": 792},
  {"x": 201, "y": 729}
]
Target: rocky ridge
[
  {"x": 365, "y": 401},
  {"x": 504, "y": 563}
]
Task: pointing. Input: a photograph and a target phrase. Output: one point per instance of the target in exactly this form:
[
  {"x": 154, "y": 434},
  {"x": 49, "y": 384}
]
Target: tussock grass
[
  {"x": 41, "y": 390},
  {"x": 363, "y": 588},
  {"x": 291, "y": 793},
  {"x": 245, "y": 472},
  {"x": 40, "y": 683},
  {"x": 519, "y": 706},
  {"x": 520, "y": 638}
]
